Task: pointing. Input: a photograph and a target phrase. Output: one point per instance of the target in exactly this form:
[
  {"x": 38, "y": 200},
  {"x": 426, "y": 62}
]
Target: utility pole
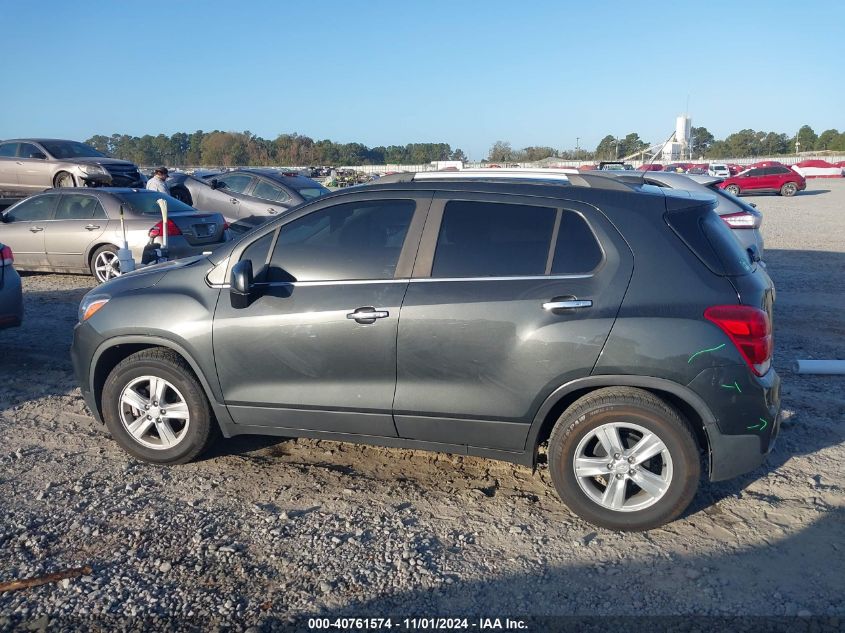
[{"x": 577, "y": 140}]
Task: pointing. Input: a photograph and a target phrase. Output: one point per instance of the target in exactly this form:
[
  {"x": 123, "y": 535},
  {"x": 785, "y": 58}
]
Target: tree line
[
  {"x": 742, "y": 144},
  {"x": 229, "y": 149}
]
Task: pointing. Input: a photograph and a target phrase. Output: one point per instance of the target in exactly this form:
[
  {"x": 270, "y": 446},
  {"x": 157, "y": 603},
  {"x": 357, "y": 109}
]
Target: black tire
[
  {"x": 733, "y": 190},
  {"x": 63, "y": 179},
  {"x": 200, "y": 433},
  {"x": 626, "y": 406},
  {"x": 788, "y": 189},
  {"x": 98, "y": 261}
]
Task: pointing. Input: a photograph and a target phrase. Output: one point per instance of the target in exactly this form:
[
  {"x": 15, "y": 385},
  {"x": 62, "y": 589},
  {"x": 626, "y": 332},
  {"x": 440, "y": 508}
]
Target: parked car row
[{"x": 79, "y": 230}]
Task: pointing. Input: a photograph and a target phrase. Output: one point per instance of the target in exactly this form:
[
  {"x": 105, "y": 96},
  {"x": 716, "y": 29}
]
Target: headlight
[
  {"x": 93, "y": 170},
  {"x": 90, "y": 304}
]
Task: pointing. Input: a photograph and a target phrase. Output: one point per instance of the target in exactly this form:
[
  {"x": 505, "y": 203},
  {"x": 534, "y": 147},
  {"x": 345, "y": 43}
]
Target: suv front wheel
[
  {"x": 623, "y": 459},
  {"x": 156, "y": 409}
]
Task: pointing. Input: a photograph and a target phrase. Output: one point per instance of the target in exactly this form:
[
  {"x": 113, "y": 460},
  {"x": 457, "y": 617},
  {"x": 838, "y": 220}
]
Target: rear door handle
[
  {"x": 91, "y": 227},
  {"x": 36, "y": 229},
  {"x": 567, "y": 304},
  {"x": 273, "y": 211},
  {"x": 367, "y": 315},
  {"x": 233, "y": 201}
]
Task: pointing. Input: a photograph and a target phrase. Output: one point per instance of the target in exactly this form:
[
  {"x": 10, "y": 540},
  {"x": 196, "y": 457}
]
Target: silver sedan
[{"x": 78, "y": 230}]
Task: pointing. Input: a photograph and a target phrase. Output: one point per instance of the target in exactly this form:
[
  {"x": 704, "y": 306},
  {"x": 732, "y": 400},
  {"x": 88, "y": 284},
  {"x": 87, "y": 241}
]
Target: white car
[{"x": 719, "y": 170}]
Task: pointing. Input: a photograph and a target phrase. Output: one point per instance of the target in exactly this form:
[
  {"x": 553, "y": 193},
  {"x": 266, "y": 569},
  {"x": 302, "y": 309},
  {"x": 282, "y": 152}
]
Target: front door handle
[
  {"x": 367, "y": 315},
  {"x": 233, "y": 200},
  {"x": 272, "y": 211},
  {"x": 36, "y": 229},
  {"x": 566, "y": 303},
  {"x": 91, "y": 227}
]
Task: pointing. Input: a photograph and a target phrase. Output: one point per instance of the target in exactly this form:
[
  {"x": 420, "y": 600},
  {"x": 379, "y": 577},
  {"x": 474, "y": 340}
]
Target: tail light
[
  {"x": 750, "y": 329},
  {"x": 742, "y": 220},
  {"x": 7, "y": 256},
  {"x": 225, "y": 226},
  {"x": 172, "y": 229}
]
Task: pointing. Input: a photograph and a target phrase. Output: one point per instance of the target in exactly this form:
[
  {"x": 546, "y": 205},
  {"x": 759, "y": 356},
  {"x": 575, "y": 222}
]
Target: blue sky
[{"x": 463, "y": 72}]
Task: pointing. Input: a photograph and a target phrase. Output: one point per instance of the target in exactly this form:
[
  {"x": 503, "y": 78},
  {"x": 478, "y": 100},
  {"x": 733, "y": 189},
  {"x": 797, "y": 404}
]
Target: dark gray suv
[{"x": 623, "y": 325}]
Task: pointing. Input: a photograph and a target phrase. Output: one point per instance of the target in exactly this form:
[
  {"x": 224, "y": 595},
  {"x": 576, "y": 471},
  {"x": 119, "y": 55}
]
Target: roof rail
[{"x": 570, "y": 177}]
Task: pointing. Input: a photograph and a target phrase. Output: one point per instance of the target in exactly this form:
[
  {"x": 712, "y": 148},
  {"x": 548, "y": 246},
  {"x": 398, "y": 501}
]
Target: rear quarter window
[
  {"x": 710, "y": 239},
  {"x": 576, "y": 249}
]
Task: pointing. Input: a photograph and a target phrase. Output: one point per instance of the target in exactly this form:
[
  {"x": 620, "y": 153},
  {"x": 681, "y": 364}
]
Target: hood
[{"x": 95, "y": 160}]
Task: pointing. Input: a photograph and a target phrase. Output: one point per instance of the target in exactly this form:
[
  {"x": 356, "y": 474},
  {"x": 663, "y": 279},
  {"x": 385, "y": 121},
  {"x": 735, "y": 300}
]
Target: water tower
[{"x": 678, "y": 146}]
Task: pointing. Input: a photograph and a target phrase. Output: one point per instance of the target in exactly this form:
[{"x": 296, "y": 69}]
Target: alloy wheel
[
  {"x": 154, "y": 413},
  {"x": 623, "y": 466},
  {"x": 106, "y": 266}
]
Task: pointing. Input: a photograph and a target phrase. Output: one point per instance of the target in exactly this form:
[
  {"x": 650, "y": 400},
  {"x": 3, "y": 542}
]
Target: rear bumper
[{"x": 747, "y": 415}]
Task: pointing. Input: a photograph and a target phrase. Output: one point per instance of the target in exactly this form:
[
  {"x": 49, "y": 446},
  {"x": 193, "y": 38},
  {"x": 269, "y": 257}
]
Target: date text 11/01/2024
[{"x": 421, "y": 624}]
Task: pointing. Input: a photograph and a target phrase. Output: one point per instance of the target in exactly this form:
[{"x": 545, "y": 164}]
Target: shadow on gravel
[{"x": 805, "y": 568}]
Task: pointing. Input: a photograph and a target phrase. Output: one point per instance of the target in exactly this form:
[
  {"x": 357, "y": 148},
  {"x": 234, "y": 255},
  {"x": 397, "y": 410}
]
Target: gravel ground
[{"x": 265, "y": 532}]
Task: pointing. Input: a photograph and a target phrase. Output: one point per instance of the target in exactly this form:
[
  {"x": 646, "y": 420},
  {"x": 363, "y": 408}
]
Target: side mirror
[
  {"x": 216, "y": 184},
  {"x": 240, "y": 284},
  {"x": 38, "y": 155}
]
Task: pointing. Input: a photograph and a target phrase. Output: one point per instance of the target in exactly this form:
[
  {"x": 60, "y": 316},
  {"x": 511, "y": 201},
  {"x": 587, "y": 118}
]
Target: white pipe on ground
[{"x": 826, "y": 367}]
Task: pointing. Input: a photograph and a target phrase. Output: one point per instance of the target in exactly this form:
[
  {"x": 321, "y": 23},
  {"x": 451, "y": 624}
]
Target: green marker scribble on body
[
  {"x": 704, "y": 351},
  {"x": 758, "y": 427},
  {"x": 733, "y": 386}
]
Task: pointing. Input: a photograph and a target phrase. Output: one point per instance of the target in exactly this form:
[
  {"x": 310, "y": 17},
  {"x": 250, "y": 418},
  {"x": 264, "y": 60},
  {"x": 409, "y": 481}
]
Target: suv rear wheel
[
  {"x": 156, "y": 409},
  {"x": 624, "y": 459},
  {"x": 732, "y": 189},
  {"x": 788, "y": 189}
]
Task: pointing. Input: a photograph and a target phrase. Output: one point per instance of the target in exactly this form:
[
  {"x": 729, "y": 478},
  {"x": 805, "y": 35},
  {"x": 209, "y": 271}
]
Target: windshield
[
  {"x": 310, "y": 191},
  {"x": 71, "y": 149},
  {"x": 146, "y": 203}
]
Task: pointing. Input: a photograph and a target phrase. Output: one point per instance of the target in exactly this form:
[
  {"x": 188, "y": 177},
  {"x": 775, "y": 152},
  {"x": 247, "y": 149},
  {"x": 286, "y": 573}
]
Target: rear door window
[
  {"x": 78, "y": 207},
  {"x": 26, "y": 150},
  {"x": 268, "y": 191},
  {"x": 353, "y": 241},
  {"x": 489, "y": 239}
]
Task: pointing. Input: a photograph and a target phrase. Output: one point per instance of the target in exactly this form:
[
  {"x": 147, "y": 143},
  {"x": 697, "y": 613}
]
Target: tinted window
[
  {"x": 8, "y": 150},
  {"x": 309, "y": 193},
  {"x": 32, "y": 210},
  {"x": 780, "y": 170},
  {"x": 146, "y": 203},
  {"x": 358, "y": 240},
  {"x": 70, "y": 149},
  {"x": 28, "y": 149},
  {"x": 268, "y": 191},
  {"x": 755, "y": 172},
  {"x": 485, "y": 239},
  {"x": 307, "y": 188},
  {"x": 576, "y": 250},
  {"x": 76, "y": 207},
  {"x": 236, "y": 182}
]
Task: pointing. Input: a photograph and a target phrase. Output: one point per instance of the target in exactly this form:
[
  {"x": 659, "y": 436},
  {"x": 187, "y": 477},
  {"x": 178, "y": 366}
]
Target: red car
[{"x": 776, "y": 179}]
